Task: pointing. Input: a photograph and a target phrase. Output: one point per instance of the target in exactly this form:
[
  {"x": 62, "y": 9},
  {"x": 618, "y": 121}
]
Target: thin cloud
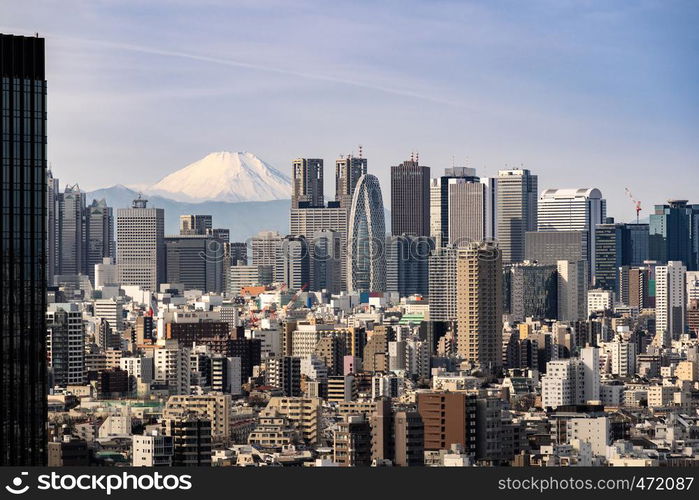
[{"x": 253, "y": 66}]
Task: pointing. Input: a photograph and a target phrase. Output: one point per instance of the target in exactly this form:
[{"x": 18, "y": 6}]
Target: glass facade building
[
  {"x": 366, "y": 261},
  {"x": 674, "y": 233},
  {"x": 618, "y": 245},
  {"x": 23, "y": 193}
]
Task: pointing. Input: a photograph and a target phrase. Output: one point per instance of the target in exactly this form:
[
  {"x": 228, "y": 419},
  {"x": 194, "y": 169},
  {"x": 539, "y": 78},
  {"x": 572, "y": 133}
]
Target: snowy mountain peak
[{"x": 225, "y": 176}]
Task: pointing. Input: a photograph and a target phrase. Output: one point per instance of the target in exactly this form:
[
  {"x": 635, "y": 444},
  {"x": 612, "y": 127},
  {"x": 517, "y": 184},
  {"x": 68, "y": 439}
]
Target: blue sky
[{"x": 583, "y": 93}]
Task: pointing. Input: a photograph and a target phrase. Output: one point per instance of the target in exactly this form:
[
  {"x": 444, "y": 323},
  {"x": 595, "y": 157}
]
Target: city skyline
[
  {"x": 513, "y": 89},
  {"x": 345, "y": 314}
]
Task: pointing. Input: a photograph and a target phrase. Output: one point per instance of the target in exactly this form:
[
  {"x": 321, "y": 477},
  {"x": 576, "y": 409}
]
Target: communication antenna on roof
[
  {"x": 453, "y": 161},
  {"x": 412, "y": 156},
  {"x": 361, "y": 151},
  {"x": 417, "y": 157}
]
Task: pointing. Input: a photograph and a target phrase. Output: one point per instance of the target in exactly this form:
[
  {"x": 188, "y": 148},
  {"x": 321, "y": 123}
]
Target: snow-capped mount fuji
[{"x": 224, "y": 176}]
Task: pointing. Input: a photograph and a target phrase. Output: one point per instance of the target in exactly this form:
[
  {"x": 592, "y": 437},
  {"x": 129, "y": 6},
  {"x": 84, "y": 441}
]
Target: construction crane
[
  {"x": 292, "y": 301},
  {"x": 637, "y": 204}
]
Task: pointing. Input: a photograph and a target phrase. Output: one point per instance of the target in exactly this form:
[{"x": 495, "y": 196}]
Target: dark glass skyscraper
[
  {"x": 23, "y": 410},
  {"x": 671, "y": 235},
  {"x": 618, "y": 245},
  {"x": 410, "y": 199}
]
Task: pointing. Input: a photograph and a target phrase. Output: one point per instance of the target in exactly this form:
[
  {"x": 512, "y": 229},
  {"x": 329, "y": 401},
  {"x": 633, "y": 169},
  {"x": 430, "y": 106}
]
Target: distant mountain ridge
[{"x": 244, "y": 219}]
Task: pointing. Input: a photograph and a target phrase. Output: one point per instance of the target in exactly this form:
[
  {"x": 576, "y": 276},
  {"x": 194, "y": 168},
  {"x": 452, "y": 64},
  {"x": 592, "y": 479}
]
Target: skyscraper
[
  {"x": 348, "y": 170},
  {"x": 442, "y": 284},
  {"x": 65, "y": 341},
  {"x": 407, "y": 264},
  {"x": 572, "y": 290},
  {"x": 532, "y": 290},
  {"x": 100, "y": 235},
  {"x": 310, "y": 221},
  {"x": 439, "y": 201},
  {"x": 673, "y": 234},
  {"x": 467, "y": 211},
  {"x": 195, "y": 224},
  {"x": 326, "y": 261},
  {"x": 366, "y": 265},
  {"x": 196, "y": 261},
  {"x": 141, "y": 245},
  {"x": 72, "y": 231},
  {"x": 265, "y": 246},
  {"x": 307, "y": 187},
  {"x": 479, "y": 304},
  {"x": 410, "y": 199},
  {"x": 23, "y": 410},
  {"x": 52, "y": 244},
  {"x": 309, "y": 215},
  {"x": 618, "y": 245},
  {"x": 670, "y": 301},
  {"x": 294, "y": 263},
  {"x": 573, "y": 210},
  {"x": 516, "y": 211}
]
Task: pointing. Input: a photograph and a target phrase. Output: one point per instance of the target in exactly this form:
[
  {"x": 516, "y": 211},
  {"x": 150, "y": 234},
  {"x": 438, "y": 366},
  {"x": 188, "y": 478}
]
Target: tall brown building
[
  {"x": 397, "y": 435},
  {"x": 375, "y": 356},
  {"x": 449, "y": 418},
  {"x": 352, "y": 442},
  {"x": 693, "y": 316},
  {"x": 479, "y": 304},
  {"x": 410, "y": 199}
]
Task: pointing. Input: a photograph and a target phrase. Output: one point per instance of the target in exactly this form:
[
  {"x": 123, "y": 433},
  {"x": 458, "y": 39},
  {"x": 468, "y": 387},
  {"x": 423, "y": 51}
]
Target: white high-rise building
[
  {"x": 242, "y": 276},
  {"x": 151, "y": 450},
  {"x": 516, "y": 211},
  {"x": 692, "y": 278},
  {"x": 171, "y": 367},
  {"x": 573, "y": 210},
  {"x": 442, "y": 284},
  {"x": 436, "y": 211},
  {"x": 572, "y": 290},
  {"x": 138, "y": 367},
  {"x": 599, "y": 300},
  {"x": 491, "y": 207},
  {"x": 265, "y": 246},
  {"x": 670, "y": 301},
  {"x": 141, "y": 245},
  {"x": 589, "y": 357},
  {"x": 596, "y": 431},
  {"x": 467, "y": 211},
  {"x": 106, "y": 273},
  {"x": 572, "y": 381},
  {"x": 623, "y": 356},
  {"x": 110, "y": 310}
]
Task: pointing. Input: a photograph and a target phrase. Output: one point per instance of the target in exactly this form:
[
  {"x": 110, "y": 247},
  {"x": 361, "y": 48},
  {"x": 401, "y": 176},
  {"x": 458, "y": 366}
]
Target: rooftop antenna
[
  {"x": 417, "y": 157},
  {"x": 453, "y": 161},
  {"x": 637, "y": 204},
  {"x": 361, "y": 151},
  {"x": 412, "y": 156}
]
